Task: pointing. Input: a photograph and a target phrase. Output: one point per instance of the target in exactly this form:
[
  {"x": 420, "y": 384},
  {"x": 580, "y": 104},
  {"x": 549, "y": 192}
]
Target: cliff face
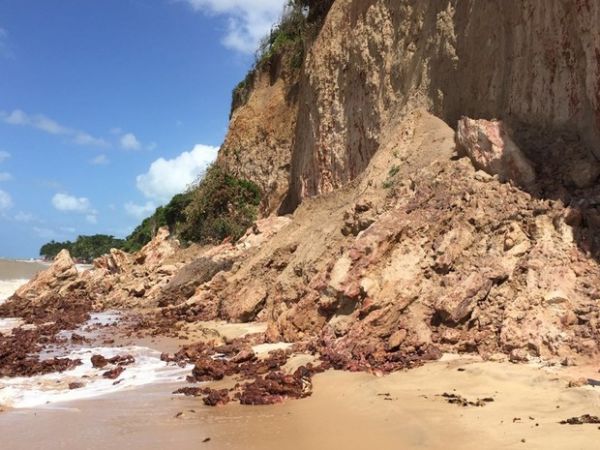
[
  {"x": 258, "y": 145},
  {"x": 528, "y": 62},
  {"x": 398, "y": 244},
  {"x": 408, "y": 239}
]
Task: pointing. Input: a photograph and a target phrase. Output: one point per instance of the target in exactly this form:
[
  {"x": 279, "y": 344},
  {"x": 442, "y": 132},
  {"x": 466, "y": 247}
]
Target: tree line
[{"x": 218, "y": 206}]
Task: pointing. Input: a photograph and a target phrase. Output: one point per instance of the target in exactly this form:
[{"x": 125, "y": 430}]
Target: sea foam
[
  {"x": 48, "y": 390},
  {"x": 8, "y": 288}
]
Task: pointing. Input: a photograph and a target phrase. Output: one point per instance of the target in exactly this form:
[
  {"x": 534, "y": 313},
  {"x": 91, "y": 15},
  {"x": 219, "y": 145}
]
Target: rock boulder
[
  {"x": 491, "y": 149},
  {"x": 61, "y": 273}
]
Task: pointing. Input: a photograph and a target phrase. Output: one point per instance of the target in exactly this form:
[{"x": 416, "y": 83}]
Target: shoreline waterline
[
  {"x": 403, "y": 410},
  {"x": 20, "y": 269},
  {"x": 15, "y": 273}
]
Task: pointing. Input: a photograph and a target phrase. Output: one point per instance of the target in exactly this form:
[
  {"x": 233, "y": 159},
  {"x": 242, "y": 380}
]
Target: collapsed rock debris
[
  {"x": 455, "y": 399},
  {"x": 581, "y": 420}
]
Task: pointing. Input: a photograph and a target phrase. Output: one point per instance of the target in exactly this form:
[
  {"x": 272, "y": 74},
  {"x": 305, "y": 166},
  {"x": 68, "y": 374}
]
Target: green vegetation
[
  {"x": 391, "y": 178},
  {"x": 85, "y": 248},
  {"x": 172, "y": 215},
  {"x": 219, "y": 206},
  {"x": 288, "y": 36},
  {"x": 300, "y": 22}
]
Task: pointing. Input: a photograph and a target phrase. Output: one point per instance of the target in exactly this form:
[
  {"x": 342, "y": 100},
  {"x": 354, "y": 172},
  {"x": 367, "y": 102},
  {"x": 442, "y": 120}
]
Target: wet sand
[{"x": 346, "y": 411}]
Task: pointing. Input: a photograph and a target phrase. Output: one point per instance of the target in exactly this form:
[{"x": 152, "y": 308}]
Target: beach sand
[{"x": 404, "y": 410}]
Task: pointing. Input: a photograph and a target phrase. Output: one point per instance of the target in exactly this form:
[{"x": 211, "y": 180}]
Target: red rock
[
  {"x": 217, "y": 397},
  {"x": 114, "y": 373},
  {"x": 275, "y": 387},
  {"x": 99, "y": 361},
  {"x": 208, "y": 369},
  {"x": 121, "y": 360}
]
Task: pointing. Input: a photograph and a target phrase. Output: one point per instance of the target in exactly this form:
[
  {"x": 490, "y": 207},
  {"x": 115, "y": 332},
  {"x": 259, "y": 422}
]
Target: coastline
[
  {"x": 407, "y": 409},
  {"x": 404, "y": 410},
  {"x": 12, "y": 269}
]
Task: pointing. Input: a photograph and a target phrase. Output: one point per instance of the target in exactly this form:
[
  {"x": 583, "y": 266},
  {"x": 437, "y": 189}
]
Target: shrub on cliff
[
  {"x": 221, "y": 206},
  {"x": 171, "y": 215},
  {"x": 300, "y": 22},
  {"x": 287, "y": 36},
  {"x": 145, "y": 231}
]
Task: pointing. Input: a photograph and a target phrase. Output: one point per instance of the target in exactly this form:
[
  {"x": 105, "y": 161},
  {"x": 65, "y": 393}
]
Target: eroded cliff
[
  {"x": 533, "y": 63},
  {"x": 259, "y": 143},
  {"x": 403, "y": 244},
  {"x": 407, "y": 245}
]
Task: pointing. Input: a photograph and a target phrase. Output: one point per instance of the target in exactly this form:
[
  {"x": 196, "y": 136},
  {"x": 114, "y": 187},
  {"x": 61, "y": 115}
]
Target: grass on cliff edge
[{"x": 300, "y": 22}]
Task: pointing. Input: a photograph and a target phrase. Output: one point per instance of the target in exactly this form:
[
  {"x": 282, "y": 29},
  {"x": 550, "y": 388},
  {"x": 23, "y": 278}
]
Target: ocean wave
[
  {"x": 45, "y": 390},
  {"x": 8, "y": 287}
]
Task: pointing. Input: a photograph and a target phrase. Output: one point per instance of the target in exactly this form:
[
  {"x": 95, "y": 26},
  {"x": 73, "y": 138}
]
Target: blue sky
[{"x": 109, "y": 107}]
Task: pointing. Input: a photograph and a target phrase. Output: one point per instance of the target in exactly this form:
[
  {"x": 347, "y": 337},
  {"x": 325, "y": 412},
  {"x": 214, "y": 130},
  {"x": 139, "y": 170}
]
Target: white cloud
[
  {"x": 70, "y": 203},
  {"x": 5, "y": 176},
  {"x": 248, "y": 21},
  {"x": 4, "y": 156},
  {"x": 4, "y": 48},
  {"x": 24, "y": 217},
  {"x": 45, "y": 233},
  {"x": 139, "y": 211},
  {"x": 82, "y": 138},
  {"x": 100, "y": 160},
  {"x": 5, "y": 200},
  {"x": 17, "y": 117},
  {"x": 130, "y": 142},
  {"x": 50, "y": 126},
  {"x": 79, "y": 205},
  {"x": 165, "y": 178}
]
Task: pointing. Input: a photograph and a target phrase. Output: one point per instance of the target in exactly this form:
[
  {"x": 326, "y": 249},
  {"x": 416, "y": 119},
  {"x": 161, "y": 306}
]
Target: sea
[
  {"x": 15, "y": 273},
  {"x": 52, "y": 389}
]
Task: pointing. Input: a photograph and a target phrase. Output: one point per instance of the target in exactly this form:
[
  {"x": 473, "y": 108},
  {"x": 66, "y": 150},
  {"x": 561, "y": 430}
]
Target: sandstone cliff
[
  {"x": 527, "y": 62},
  {"x": 442, "y": 254},
  {"x": 406, "y": 239},
  {"x": 261, "y": 132}
]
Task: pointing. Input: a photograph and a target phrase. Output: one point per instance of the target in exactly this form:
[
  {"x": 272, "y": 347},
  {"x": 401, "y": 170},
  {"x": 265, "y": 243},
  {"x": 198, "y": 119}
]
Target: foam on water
[
  {"x": 45, "y": 390},
  {"x": 7, "y": 325},
  {"x": 8, "y": 288}
]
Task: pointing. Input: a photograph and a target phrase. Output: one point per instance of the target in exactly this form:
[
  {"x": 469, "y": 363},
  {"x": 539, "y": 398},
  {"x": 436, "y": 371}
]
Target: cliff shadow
[{"x": 567, "y": 172}]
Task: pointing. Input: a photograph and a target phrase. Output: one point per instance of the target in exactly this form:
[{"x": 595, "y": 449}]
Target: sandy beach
[
  {"x": 524, "y": 405},
  {"x": 404, "y": 410}
]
